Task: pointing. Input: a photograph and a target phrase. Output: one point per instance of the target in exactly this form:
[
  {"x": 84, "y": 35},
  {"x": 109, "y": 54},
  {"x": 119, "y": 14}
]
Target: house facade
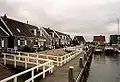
[
  {"x": 99, "y": 40},
  {"x": 3, "y": 38},
  {"x": 52, "y": 39},
  {"x": 77, "y": 40}
]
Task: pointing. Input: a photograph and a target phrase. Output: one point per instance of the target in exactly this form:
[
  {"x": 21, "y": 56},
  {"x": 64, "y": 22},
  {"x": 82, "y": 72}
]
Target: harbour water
[{"x": 104, "y": 69}]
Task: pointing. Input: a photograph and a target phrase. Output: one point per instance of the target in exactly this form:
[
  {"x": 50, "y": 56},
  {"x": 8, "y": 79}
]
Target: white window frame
[
  {"x": 25, "y": 42},
  {"x": 3, "y": 43},
  {"x": 18, "y": 42},
  {"x": 53, "y": 34},
  {"x": 40, "y": 32},
  {"x": 35, "y": 33}
]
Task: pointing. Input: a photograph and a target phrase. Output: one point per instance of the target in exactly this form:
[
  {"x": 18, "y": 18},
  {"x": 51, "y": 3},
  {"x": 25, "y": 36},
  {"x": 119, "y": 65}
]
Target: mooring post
[
  {"x": 85, "y": 57},
  {"x": 81, "y": 62},
  {"x": 70, "y": 74}
]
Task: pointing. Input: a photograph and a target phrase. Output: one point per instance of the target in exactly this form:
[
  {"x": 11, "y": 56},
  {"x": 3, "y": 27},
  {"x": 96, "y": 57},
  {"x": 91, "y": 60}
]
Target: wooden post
[
  {"x": 32, "y": 75},
  {"x": 25, "y": 62},
  {"x": 4, "y": 59},
  {"x": 44, "y": 71},
  {"x": 15, "y": 79},
  {"x": 70, "y": 74},
  {"x": 85, "y": 57},
  {"x": 57, "y": 61},
  {"x": 14, "y": 61},
  {"x": 19, "y": 56},
  {"x": 37, "y": 61},
  {"x": 81, "y": 62}
]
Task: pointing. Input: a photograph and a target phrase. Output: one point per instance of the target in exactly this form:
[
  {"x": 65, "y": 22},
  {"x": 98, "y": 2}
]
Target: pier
[{"x": 51, "y": 70}]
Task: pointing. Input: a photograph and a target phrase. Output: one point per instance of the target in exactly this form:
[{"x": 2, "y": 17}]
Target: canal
[{"x": 104, "y": 69}]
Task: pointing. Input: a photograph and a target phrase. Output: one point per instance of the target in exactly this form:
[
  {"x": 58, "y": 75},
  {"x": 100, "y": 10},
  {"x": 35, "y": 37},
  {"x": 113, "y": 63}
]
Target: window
[
  {"x": 40, "y": 32},
  {"x": 35, "y": 32},
  {"x": 18, "y": 30},
  {"x": 25, "y": 42},
  {"x": 52, "y": 34},
  {"x": 18, "y": 42},
  {"x": 3, "y": 43}
]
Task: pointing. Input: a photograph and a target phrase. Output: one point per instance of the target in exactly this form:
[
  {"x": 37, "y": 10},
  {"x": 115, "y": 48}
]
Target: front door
[{"x": 11, "y": 42}]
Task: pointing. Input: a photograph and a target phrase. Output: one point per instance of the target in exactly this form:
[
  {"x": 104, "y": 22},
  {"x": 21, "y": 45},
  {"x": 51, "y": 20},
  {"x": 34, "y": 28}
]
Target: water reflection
[{"x": 104, "y": 69}]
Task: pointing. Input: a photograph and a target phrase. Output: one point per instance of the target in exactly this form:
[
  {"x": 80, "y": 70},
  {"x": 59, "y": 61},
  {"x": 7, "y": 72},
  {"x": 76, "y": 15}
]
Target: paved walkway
[{"x": 61, "y": 73}]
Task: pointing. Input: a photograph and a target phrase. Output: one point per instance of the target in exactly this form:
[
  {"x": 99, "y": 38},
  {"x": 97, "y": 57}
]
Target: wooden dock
[{"x": 61, "y": 73}]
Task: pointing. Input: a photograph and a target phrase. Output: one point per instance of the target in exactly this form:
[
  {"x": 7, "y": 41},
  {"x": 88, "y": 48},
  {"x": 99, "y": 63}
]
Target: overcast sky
[{"x": 75, "y": 17}]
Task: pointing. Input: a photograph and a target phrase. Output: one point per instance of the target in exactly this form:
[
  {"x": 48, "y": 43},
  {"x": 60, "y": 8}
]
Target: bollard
[
  {"x": 70, "y": 74},
  {"x": 85, "y": 57},
  {"x": 81, "y": 62}
]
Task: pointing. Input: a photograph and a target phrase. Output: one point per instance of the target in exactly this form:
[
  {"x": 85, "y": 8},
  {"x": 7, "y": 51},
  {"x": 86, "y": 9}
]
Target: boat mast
[{"x": 118, "y": 29}]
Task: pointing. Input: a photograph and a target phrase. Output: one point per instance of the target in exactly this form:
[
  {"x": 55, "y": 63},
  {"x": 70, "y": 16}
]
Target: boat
[
  {"x": 109, "y": 50},
  {"x": 98, "y": 50}
]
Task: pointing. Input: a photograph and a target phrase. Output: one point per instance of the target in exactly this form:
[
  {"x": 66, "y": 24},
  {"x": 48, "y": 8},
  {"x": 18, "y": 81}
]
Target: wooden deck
[{"x": 61, "y": 73}]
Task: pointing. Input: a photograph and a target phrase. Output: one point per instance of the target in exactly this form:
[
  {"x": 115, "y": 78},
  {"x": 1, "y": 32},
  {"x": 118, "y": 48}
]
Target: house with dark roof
[
  {"x": 39, "y": 39},
  {"x": 77, "y": 40},
  {"x": 65, "y": 40},
  {"x": 3, "y": 38},
  {"x": 69, "y": 40},
  {"x": 22, "y": 36},
  {"x": 52, "y": 38}
]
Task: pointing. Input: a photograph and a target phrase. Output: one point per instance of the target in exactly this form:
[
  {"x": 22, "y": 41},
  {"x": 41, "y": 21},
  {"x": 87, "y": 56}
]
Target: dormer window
[
  {"x": 40, "y": 32},
  {"x": 18, "y": 30},
  {"x": 53, "y": 35},
  {"x": 35, "y": 32}
]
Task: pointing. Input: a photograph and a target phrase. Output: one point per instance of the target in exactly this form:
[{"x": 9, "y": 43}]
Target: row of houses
[{"x": 25, "y": 37}]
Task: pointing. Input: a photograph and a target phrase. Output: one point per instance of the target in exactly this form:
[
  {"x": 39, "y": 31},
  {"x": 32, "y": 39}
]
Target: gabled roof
[
  {"x": 16, "y": 27},
  {"x": 60, "y": 33},
  {"x": 3, "y": 33},
  {"x": 49, "y": 31},
  {"x": 79, "y": 38}
]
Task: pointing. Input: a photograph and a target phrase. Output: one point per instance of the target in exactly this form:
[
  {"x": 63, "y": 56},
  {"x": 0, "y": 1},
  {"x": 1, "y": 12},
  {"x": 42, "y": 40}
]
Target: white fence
[
  {"x": 57, "y": 60},
  {"x": 47, "y": 66},
  {"x": 26, "y": 60}
]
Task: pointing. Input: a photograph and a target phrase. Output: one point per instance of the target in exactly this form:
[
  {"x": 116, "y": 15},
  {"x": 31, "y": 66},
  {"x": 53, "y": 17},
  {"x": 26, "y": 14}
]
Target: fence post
[
  {"x": 51, "y": 66},
  {"x": 28, "y": 57},
  {"x": 4, "y": 58},
  {"x": 26, "y": 62},
  {"x": 70, "y": 74},
  {"x": 15, "y": 79},
  {"x": 19, "y": 56},
  {"x": 81, "y": 62},
  {"x": 57, "y": 61},
  {"x": 32, "y": 75},
  {"x": 85, "y": 56},
  {"x": 61, "y": 61},
  {"x": 15, "y": 61},
  {"x": 37, "y": 61},
  {"x": 43, "y": 71}
]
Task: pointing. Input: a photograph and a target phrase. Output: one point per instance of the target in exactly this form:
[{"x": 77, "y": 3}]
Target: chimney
[
  {"x": 27, "y": 22},
  {"x": 5, "y": 16}
]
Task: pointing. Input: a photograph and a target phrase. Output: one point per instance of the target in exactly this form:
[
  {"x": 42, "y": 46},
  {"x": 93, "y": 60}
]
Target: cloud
[{"x": 75, "y": 17}]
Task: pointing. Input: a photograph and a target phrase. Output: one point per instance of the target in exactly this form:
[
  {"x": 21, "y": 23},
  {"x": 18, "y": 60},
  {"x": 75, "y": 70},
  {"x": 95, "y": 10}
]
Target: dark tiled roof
[
  {"x": 79, "y": 38},
  {"x": 60, "y": 33},
  {"x": 2, "y": 31},
  {"x": 49, "y": 31},
  {"x": 18, "y": 28}
]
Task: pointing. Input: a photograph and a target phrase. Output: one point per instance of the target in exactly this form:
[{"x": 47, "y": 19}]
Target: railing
[
  {"x": 23, "y": 59},
  {"x": 46, "y": 67},
  {"x": 57, "y": 60}
]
